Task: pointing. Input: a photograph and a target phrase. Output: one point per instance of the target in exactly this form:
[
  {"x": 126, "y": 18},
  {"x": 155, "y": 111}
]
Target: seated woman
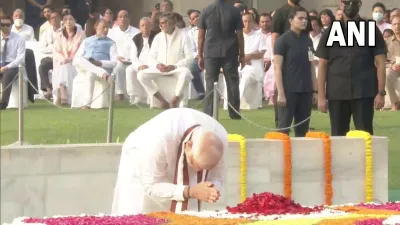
[{"x": 65, "y": 47}]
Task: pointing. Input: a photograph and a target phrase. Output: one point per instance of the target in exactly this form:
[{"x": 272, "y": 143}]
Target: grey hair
[
  {"x": 169, "y": 17},
  {"x": 147, "y": 19},
  {"x": 21, "y": 11}
]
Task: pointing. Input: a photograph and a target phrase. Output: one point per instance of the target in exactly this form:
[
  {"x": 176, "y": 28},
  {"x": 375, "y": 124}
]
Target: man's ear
[{"x": 189, "y": 144}]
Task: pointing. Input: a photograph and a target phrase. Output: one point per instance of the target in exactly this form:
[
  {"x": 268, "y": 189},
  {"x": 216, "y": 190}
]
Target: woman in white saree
[{"x": 66, "y": 44}]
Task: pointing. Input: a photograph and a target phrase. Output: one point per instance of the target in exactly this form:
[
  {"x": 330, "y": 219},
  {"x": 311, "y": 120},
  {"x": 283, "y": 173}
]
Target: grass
[{"x": 45, "y": 124}]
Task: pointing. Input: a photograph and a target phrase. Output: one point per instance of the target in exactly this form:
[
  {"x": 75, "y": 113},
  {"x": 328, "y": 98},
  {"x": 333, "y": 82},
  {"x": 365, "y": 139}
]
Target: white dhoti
[
  {"x": 91, "y": 74},
  {"x": 120, "y": 80},
  {"x": 147, "y": 76},
  {"x": 250, "y": 87},
  {"x": 249, "y": 77},
  {"x": 134, "y": 89}
]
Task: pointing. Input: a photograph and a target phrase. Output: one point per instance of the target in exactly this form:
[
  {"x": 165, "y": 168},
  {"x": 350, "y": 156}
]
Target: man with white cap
[{"x": 171, "y": 163}]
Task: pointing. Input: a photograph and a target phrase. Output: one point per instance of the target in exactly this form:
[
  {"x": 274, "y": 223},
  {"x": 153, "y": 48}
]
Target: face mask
[
  {"x": 351, "y": 11},
  {"x": 377, "y": 16},
  {"x": 18, "y": 22},
  {"x": 296, "y": 2}
]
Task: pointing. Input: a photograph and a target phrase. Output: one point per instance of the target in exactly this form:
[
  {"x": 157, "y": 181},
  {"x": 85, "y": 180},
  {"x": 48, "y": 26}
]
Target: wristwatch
[{"x": 382, "y": 93}]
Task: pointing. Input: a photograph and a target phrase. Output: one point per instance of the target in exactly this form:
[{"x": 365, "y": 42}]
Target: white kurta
[
  {"x": 148, "y": 159},
  {"x": 123, "y": 39}
]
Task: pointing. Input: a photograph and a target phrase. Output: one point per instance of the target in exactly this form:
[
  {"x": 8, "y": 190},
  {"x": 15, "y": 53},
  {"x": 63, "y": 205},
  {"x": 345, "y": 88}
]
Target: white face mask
[
  {"x": 377, "y": 16},
  {"x": 18, "y": 22}
]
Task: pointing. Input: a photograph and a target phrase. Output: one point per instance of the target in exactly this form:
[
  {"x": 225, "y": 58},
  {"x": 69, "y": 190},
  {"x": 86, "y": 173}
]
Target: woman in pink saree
[
  {"x": 65, "y": 47},
  {"x": 269, "y": 79}
]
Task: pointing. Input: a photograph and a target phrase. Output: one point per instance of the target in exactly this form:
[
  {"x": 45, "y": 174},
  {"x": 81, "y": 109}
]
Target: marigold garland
[
  {"x": 243, "y": 163},
  {"x": 327, "y": 163},
  {"x": 287, "y": 157},
  {"x": 369, "y": 190}
]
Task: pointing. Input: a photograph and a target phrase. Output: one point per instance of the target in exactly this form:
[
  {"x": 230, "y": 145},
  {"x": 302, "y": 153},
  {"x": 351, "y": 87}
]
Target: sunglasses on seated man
[{"x": 5, "y": 24}]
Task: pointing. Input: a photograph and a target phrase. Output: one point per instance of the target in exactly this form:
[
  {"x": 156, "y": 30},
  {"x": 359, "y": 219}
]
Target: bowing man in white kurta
[
  {"x": 255, "y": 46},
  {"x": 122, "y": 35},
  {"x": 155, "y": 174},
  {"x": 171, "y": 54}
]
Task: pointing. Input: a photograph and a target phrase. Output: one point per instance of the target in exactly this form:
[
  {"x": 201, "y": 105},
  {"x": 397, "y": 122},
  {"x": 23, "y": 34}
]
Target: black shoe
[
  {"x": 3, "y": 106},
  {"x": 200, "y": 97},
  {"x": 235, "y": 117}
]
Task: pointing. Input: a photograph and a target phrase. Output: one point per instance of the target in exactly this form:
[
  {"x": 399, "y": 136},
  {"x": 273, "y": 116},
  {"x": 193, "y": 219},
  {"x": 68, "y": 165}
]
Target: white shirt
[
  {"x": 46, "y": 26},
  {"x": 26, "y": 32},
  {"x": 123, "y": 40},
  {"x": 255, "y": 41},
  {"x": 47, "y": 41},
  {"x": 148, "y": 161},
  {"x": 193, "y": 35},
  {"x": 143, "y": 56},
  {"x": 107, "y": 64},
  {"x": 15, "y": 54},
  {"x": 382, "y": 27},
  {"x": 315, "y": 41},
  {"x": 186, "y": 50}
]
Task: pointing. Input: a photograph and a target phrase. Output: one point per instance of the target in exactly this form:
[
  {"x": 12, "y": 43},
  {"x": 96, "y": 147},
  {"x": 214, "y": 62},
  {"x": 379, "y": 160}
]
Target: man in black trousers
[
  {"x": 223, "y": 47},
  {"x": 354, "y": 77}
]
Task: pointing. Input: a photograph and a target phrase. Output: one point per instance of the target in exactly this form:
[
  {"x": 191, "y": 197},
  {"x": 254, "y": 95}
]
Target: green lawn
[{"x": 45, "y": 124}]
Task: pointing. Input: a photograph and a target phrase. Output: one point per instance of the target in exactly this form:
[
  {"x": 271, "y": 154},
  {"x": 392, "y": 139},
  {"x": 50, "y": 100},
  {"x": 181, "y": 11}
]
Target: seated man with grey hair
[
  {"x": 173, "y": 167},
  {"x": 140, "y": 48},
  {"x": 171, "y": 54},
  {"x": 97, "y": 57}
]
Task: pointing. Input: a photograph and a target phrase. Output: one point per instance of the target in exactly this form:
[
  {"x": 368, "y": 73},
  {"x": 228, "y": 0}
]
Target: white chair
[
  {"x": 254, "y": 102},
  {"x": 101, "y": 93},
  {"x": 166, "y": 86},
  {"x": 14, "y": 97}
]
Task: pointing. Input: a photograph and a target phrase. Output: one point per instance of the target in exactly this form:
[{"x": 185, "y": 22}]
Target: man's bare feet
[
  {"x": 85, "y": 107},
  {"x": 165, "y": 105},
  {"x": 175, "y": 102},
  {"x": 396, "y": 106}
]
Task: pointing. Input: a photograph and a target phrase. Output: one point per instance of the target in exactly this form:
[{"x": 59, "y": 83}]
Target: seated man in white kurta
[
  {"x": 97, "y": 57},
  {"x": 170, "y": 167},
  {"x": 140, "y": 49},
  {"x": 255, "y": 45},
  {"x": 122, "y": 35},
  {"x": 170, "y": 55}
]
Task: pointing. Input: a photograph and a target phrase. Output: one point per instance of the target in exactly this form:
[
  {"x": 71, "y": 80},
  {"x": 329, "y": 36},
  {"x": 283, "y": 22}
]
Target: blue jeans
[{"x": 197, "y": 82}]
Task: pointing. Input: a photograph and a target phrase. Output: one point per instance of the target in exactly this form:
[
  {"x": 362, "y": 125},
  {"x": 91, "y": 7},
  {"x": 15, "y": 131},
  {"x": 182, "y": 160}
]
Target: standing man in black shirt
[
  {"x": 280, "y": 24},
  {"x": 295, "y": 74},
  {"x": 354, "y": 77},
  {"x": 223, "y": 47}
]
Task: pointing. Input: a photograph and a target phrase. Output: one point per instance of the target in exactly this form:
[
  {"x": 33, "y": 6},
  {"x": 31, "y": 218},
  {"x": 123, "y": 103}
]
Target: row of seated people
[{"x": 138, "y": 58}]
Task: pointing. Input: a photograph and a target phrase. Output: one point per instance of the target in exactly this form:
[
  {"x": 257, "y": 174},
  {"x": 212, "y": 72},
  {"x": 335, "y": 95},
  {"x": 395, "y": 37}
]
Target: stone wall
[{"x": 73, "y": 179}]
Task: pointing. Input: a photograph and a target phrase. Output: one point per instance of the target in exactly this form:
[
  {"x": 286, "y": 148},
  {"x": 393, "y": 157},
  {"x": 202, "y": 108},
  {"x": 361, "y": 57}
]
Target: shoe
[{"x": 200, "y": 97}]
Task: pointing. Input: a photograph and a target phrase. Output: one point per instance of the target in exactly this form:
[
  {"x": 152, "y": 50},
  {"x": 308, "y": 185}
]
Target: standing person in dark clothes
[
  {"x": 80, "y": 10},
  {"x": 354, "y": 78},
  {"x": 280, "y": 24},
  {"x": 295, "y": 74},
  {"x": 221, "y": 47}
]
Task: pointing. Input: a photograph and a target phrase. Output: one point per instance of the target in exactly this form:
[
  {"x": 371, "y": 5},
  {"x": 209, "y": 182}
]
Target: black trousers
[
  {"x": 340, "y": 112},
  {"x": 230, "y": 66},
  {"x": 45, "y": 66},
  {"x": 6, "y": 79},
  {"x": 30, "y": 67},
  {"x": 298, "y": 107}
]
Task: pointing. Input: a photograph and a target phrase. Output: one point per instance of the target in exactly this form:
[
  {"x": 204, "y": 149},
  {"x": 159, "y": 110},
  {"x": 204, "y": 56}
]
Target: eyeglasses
[{"x": 5, "y": 24}]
